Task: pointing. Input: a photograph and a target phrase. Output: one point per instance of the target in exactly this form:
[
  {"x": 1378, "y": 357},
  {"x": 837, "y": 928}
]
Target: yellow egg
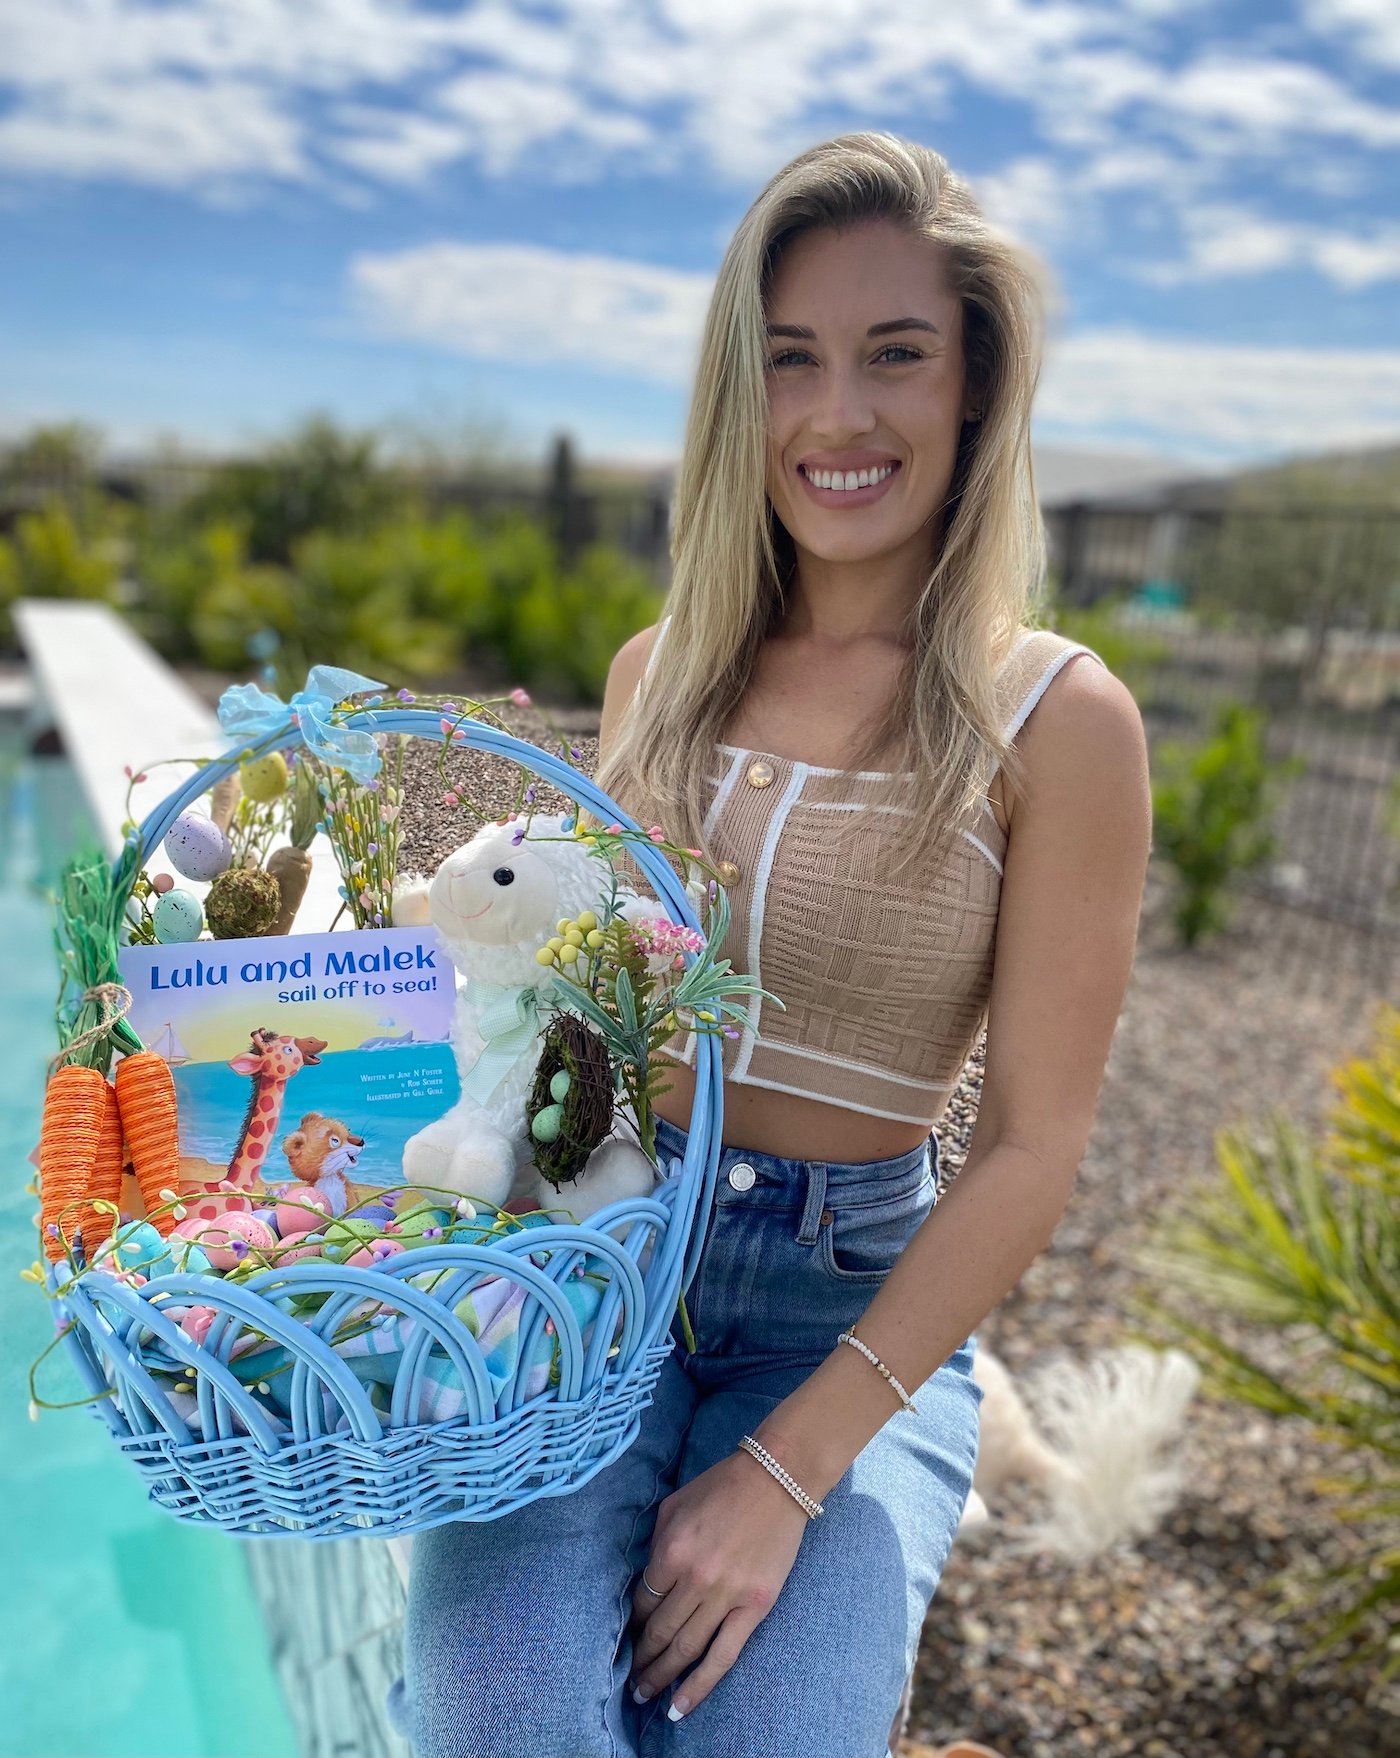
[
  {"x": 568, "y": 954},
  {"x": 587, "y": 920},
  {"x": 266, "y": 778}
]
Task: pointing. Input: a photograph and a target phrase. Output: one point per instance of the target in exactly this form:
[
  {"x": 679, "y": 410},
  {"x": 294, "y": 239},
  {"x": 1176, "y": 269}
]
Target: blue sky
[{"x": 219, "y": 215}]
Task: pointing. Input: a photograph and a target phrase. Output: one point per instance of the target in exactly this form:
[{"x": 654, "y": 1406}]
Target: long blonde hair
[{"x": 732, "y": 559}]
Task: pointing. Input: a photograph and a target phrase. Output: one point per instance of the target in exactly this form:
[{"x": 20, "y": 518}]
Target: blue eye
[{"x": 899, "y": 347}]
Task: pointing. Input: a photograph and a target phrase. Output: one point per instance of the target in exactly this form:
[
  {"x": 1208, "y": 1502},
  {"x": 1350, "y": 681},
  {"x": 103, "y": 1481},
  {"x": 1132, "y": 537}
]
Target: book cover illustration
[{"x": 304, "y": 1060}]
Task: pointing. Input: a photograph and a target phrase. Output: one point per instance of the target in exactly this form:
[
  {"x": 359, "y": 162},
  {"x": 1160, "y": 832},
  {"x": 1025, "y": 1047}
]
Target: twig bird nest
[{"x": 571, "y": 1104}]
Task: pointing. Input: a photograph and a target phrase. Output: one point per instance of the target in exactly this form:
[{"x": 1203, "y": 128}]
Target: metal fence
[{"x": 1294, "y": 611}]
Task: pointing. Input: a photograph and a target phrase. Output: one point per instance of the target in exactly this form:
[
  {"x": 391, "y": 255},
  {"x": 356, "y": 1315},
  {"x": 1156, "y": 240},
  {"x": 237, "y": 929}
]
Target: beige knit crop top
[{"x": 885, "y": 982}]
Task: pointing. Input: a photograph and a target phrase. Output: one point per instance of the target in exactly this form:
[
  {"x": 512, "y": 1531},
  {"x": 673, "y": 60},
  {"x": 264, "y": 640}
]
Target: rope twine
[{"x": 115, "y": 1000}]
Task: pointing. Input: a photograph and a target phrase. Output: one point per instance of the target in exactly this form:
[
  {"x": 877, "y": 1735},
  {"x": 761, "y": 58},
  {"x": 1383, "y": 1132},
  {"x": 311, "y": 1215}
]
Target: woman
[{"x": 856, "y": 551}]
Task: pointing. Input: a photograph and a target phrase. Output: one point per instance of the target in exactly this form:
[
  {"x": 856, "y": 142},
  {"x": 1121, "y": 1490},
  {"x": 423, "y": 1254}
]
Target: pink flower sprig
[{"x": 661, "y": 937}]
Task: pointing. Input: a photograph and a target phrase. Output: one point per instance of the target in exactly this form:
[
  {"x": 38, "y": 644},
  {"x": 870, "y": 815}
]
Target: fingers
[{"x": 715, "y": 1654}]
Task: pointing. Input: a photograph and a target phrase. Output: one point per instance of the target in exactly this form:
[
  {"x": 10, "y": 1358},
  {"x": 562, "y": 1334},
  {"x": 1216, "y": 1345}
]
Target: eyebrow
[{"x": 800, "y": 332}]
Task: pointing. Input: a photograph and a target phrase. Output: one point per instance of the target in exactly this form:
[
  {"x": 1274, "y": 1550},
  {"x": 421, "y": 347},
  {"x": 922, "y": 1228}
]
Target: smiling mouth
[{"x": 843, "y": 496}]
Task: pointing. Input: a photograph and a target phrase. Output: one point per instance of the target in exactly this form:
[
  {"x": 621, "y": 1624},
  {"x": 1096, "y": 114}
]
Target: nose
[{"x": 843, "y": 406}]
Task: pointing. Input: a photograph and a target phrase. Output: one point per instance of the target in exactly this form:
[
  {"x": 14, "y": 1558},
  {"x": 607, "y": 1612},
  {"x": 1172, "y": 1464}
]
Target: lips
[{"x": 848, "y": 497}]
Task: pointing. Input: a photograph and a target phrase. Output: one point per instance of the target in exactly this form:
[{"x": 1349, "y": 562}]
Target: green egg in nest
[{"x": 571, "y": 1105}]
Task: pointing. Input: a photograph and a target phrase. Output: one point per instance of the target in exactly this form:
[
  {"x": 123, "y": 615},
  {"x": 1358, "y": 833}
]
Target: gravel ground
[{"x": 1171, "y": 1648}]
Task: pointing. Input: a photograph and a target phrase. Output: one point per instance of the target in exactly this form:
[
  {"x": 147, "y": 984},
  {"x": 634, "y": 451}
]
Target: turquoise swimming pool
[{"x": 124, "y": 1634}]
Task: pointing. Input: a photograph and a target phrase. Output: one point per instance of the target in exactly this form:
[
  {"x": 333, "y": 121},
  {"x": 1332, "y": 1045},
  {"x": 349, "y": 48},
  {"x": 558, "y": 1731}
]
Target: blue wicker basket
[{"x": 340, "y": 1468}]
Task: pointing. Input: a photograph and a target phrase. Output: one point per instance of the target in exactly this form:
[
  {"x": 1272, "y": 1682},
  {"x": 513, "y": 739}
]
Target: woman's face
[{"x": 841, "y": 398}]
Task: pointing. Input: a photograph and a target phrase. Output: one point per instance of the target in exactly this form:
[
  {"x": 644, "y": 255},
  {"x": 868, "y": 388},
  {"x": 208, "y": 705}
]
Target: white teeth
[{"x": 842, "y": 480}]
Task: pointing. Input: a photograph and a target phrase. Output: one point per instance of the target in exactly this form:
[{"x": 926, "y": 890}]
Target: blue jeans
[{"x": 516, "y": 1642}]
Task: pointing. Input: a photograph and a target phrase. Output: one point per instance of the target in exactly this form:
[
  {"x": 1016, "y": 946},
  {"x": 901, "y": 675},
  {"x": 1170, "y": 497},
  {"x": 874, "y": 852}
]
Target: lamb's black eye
[{"x": 504, "y": 876}]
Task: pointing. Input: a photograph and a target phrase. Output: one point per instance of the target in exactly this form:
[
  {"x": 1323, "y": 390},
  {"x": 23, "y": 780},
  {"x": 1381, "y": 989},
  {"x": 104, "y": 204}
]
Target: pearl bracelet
[
  {"x": 874, "y": 1359},
  {"x": 810, "y": 1506}
]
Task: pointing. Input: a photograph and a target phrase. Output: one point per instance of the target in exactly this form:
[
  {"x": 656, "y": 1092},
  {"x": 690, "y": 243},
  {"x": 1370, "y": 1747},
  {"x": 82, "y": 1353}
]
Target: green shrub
[
  {"x": 1306, "y": 1240},
  {"x": 320, "y": 479},
  {"x": 1209, "y": 815}
]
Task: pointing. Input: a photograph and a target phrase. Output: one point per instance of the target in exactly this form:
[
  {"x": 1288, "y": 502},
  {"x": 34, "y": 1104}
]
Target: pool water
[{"x": 124, "y": 1633}]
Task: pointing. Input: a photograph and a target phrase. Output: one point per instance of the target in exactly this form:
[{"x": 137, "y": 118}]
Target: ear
[
  {"x": 310, "y": 1118},
  {"x": 246, "y": 1063},
  {"x": 294, "y": 1143}
]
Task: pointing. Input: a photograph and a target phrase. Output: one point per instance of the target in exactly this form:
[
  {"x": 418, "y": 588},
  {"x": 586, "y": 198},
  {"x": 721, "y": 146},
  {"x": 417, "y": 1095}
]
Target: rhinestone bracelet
[
  {"x": 810, "y": 1506},
  {"x": 872, "y": 1357}
]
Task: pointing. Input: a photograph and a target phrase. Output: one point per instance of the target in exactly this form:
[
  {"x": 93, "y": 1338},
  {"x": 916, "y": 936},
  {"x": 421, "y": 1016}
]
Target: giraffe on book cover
[{"x": 274, "y": 1059}]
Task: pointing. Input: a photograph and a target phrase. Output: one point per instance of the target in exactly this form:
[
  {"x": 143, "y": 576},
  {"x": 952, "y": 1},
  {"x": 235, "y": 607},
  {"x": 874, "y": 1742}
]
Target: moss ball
[{"x": 242, "y": 903}]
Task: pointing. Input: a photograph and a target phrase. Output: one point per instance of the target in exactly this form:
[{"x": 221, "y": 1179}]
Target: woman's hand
[{"x": 724, "y": 1545}]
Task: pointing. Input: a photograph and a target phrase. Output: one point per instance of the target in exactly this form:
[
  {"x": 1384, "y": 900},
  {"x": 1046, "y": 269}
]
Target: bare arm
[
  {"x": 624, "y": 674},
  {"x": 1070, "y": 901}
]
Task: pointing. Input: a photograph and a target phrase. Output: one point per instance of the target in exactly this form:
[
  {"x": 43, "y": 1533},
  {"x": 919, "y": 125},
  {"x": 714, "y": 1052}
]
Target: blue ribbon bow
[{"x": 253, "y": 714}]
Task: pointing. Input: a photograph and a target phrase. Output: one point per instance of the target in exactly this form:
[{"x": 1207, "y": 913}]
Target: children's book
[{"x": 300, "y": 1060}]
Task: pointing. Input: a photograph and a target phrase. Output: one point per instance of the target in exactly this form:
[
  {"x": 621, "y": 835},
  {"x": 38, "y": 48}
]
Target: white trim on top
[
  {"x": 1042, "y": 683},
  {"x": 779, "y": 1086},
  {"x": 794, "y": 787}
]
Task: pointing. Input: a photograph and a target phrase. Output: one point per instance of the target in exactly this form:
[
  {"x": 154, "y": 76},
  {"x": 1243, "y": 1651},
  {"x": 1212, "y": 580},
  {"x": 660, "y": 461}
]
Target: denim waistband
[{"x": 811, "y": 1186}]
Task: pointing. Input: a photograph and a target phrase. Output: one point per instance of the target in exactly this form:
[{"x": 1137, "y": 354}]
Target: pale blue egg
[
  {"x": 188, "y": 1256},
  {"x": 196, "y": 847},
  {"x": 178, "y": 917}
]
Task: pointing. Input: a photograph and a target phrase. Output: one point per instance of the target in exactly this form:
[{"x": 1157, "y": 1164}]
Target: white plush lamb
[{"x": 494, "y": 903}]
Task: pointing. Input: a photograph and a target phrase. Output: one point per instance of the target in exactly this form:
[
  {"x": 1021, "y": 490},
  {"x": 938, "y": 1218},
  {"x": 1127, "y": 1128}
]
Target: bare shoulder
[
  {"x": 624, "y": 674},
  {"x": 1084, "y": 736}
]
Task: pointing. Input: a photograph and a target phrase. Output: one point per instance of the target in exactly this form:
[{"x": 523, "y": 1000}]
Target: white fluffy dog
[{"x": 1101, "y": 1460}]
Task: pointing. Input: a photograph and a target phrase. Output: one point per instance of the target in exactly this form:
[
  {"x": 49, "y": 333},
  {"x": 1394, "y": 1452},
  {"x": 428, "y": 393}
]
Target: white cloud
[
  {"x": 508, "y": 303},
  {"x": 1375, "y": 24},
  {"x": 1225, "y": 241},
  {"x": 1217, "y": 399},
  {"x": 533, "y": 306}
]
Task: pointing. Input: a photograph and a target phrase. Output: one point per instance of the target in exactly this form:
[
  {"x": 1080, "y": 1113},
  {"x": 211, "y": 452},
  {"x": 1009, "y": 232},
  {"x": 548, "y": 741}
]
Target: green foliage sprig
[{"x": 604, "y": 974}]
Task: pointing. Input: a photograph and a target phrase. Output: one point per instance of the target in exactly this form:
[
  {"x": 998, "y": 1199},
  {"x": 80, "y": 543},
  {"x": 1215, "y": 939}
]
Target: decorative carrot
[
  {"x": 106, "y": 1180},
  {"x": 146, "y": 1094},
  {"x": 70, "y": 1136}
]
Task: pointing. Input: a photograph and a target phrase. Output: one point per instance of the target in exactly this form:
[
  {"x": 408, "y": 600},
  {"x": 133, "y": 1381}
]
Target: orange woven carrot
[
  {"x": 146, "y": 1094},
  {"x": 70, "y": 1137}
]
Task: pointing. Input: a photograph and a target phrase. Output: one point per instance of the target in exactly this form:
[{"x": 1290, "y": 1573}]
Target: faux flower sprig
[
  {"x": 362, "y": 821},
  {"x": 631, "y": 981}
]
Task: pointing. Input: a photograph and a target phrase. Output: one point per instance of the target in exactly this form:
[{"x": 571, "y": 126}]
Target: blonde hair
[{"x": 732, "y": 559}]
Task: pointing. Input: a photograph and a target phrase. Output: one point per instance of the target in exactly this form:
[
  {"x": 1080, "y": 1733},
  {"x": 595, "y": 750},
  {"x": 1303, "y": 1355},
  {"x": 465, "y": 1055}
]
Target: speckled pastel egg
[
  {"x": 348, "y": 1235},
  {"x": 369, "y": 1257},
  {"x": 196, "y": 847},
  {"x": 301, "y": 1211},
  {"x": 178, "y": 917},
  {"x": 229, "y": 1239},
  {"x": 380, "y": 1213},
  {"x": 265, "y": 779},
  {"x": 187, "y": 1257}
]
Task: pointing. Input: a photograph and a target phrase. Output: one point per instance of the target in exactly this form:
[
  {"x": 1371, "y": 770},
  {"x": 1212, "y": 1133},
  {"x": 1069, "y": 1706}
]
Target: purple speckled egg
[{"x": 196, "y": 847}]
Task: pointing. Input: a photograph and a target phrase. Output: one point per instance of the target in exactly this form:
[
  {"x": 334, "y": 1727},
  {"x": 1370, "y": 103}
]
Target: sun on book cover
[{"x": 305, "y": 1060}]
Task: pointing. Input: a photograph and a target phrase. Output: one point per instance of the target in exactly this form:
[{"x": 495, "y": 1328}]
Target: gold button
[
  {"x": 728, "y": 872},
  {"x": 760, "y": 773}
]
